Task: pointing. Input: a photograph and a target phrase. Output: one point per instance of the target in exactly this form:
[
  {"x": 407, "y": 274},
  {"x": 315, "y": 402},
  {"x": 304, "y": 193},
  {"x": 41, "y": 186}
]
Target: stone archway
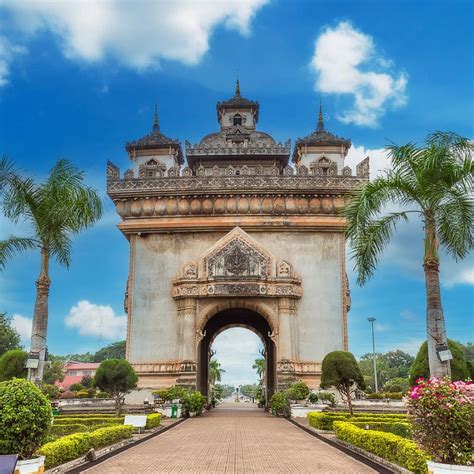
[{"x": 236, "y": 317}]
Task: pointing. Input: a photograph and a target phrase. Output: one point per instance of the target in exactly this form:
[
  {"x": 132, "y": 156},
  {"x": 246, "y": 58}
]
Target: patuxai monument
[{"x": 237, "y": 230}]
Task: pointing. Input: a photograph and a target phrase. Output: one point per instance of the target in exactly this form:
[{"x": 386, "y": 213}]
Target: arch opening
[{"x": 231, "y": 318}]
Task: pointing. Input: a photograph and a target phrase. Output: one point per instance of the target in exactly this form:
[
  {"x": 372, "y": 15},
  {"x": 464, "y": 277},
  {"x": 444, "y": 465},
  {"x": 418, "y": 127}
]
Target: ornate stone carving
[
  {"x": 187, "y": 172},
  {"x": 237, "y": 259},
  {"x": 113, "y": 171},
  {"x": 245, "y": 171},
  {"x": 216, "y": 171},
  {"x": 151, "y": 169},
  {"x": 323, "y": 167},
  {"x": 363, "y": 168},
  {"x": 128, "y": 174},
  {"x": 287, "y": 171},
  {"x": 284, "y": 269},
  {"x": 237, "y": 266},
  {"x": 230, "y": 171},
  {"x": 346, "y": 171},
  {"x": 302, "y": 171},
  {"x": 173, "y": 172},
  {"x": 200, "y": 171}
]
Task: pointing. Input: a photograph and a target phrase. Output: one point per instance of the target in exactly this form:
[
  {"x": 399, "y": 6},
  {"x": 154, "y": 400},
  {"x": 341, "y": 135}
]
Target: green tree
[
  {"x": 384, "y": 372},
  {"x": 249, "y": 390},
  {"x": 400, "y": 362},
  {"x": 56, "y": 210},
  {"x": 459, "y": 366},
  {"x": 225, "y": 391},
  {"x": 397, "y": 384},
  {"x": 259, "y": 366},
  {"x": 50, "y": 391},
  {"x": 340, "y": 370},
  {"x": 116, "y": 350},
  {"x": 9, "y": 337},
  {"x": 12, "y": 364},
  {"x": 53, "y": 371},
  {"x": 116, "y": 377},
  {"x": 435, "y": 183},
  {"x": 215, "y": 371}
]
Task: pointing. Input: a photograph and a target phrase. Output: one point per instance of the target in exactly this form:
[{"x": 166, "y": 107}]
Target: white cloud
[
  {"x": 96, "y": 320},
  {"x": 23, "y": 325},
  {"x": 138, "y": 34},
  {"x": 8, "y": 51},
  {"x": 379, "y": 160},
  {"x": 236, "y": 350},
  {"x": 346, "y": 61}
]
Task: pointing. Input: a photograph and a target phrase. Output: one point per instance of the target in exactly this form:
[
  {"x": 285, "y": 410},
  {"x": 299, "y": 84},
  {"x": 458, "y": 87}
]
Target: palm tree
[
  {"x": 434, "y": 183},
  {"x": 55, "y": 210},
  {"x": 215, "y": 372},
  {"x": 259, "y": 366}
]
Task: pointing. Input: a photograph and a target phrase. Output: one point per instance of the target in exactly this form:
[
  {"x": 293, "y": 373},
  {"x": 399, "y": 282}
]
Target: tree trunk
[
  {"x": 347, "y": 393},
  {"x": 40, "y": 319},
  {"x": 435, "y": 324}
]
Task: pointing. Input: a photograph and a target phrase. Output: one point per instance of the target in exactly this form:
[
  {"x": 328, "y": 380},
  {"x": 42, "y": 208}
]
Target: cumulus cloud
[
  {"x": 236, "y": 350},
  {"x": 96, "y": 320},
  {"x": 23, "y": 326},
  {"x": 138, "y": 34},
  {"x": 8, "y": 51},
  {"x": 405, "y": 249},
  {"x": 346, "y": 61}
]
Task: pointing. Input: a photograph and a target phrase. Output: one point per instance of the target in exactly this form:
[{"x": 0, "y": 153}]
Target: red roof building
[{"x": 75, "y": 371}]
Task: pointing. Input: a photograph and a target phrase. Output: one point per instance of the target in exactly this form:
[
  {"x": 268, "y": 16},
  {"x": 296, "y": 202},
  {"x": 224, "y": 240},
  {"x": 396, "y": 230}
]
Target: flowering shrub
[{"x": 443, "y": 419}]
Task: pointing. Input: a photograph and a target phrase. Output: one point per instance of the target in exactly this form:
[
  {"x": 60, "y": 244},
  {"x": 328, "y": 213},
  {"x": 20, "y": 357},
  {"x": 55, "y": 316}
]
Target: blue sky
[{"x": 79, "y": 80}]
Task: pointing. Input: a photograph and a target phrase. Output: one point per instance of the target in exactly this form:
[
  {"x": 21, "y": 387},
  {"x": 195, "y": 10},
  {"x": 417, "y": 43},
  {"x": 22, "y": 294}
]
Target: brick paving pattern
[{"x": 232, "y": 438}]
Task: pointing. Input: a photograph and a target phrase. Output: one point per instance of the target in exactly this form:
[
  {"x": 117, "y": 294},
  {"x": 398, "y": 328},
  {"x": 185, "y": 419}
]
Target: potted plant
[
  {"x": 279, "y": 404},
  {"x": 194, "y": 403},
  {"x": 298, "y": 392},
  {"x": 25, "y": 420},
  {"x": 443, "y": 423}
]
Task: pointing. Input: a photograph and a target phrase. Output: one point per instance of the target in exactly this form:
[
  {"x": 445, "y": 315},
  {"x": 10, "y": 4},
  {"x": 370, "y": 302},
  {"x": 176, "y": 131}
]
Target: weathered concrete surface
[{"x": 232, "y": 439}]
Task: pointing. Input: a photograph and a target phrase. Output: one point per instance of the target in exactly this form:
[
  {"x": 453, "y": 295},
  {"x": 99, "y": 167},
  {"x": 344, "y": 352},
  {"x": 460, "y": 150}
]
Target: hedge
[
  {"x": 324, "y": 420},
  {"x": 388, "y": 446},
  {"x": 89, "y": 421},
  {"x": 86, "y": 415},
  {"x": 153, "y": 420},
  {"x": 64, "y": 430},
  {"x": 385, "y": 396},
  {"x": 397, "y": 428},
  {"x": 76, "y": 445}
]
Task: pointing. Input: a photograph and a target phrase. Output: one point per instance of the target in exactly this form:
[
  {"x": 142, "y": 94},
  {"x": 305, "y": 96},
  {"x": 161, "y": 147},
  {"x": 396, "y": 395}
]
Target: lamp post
[{"x": 371, "y": 321}]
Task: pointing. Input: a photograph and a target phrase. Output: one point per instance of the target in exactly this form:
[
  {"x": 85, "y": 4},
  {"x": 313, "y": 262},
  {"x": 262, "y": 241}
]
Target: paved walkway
[{"x": 233, "y": 438}]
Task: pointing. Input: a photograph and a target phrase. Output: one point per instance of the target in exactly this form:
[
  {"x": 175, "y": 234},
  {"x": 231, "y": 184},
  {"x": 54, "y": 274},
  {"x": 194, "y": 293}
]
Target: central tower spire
[
  {"x": 237, "y": 88},
  {"x": 156, "y": 124},
  {"x": 320, "y": 126}
]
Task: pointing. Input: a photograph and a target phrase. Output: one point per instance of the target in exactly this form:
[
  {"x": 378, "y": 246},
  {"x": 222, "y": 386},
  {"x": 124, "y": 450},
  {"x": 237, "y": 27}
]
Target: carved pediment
[
  {"x": 237, "y": 260},
  {"x": 237, "y": 265}
]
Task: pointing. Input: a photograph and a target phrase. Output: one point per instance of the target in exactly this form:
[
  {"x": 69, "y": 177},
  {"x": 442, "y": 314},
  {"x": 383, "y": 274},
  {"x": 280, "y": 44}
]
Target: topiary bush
[
  {"x": 313, "y": 397},
  {"x": 12, "y": 364},
  {"x": 459, "y": 366},
  {"x": 391, "y": 447},
  {"x": 25, "y": 418},
  {"x": 324, "y": 421},
  {"x": 76, "y": 387},
  {"x": 298, "y": 391}
]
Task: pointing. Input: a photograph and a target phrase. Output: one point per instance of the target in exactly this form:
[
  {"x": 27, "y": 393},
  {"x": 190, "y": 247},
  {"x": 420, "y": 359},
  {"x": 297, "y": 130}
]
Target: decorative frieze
[
  {"x": 237, "y": 204},
  {"x": 173, "y": 367}
]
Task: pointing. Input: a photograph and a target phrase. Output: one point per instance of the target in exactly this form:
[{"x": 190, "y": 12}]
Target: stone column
[
  {"x": 286, "y": 334},
  {"x": 187, "y": 329}
]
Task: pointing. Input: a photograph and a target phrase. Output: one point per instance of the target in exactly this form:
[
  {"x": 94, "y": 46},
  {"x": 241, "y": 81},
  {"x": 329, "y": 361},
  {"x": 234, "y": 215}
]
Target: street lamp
[{"x": 371, "y": 321}]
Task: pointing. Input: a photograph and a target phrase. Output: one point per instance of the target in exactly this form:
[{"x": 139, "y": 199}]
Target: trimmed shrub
[
  {"x": 324, "y": 421},
  {"x": 313, "y": 397},
  {"x": 50, "y": 391},
  {"x": 67, "y": 395},
  {"x": 102, "y": 395},
  {"x": 65, "y": 449},
  {"x": 88, "y": 421},
  {"x": 171, "y": 393},
  {"x": 76, "y": 445},
  {"x": 86, "y": 415},
  {"x": 395, "y": 427},
  {"x": 459, "y": 367},
  {"x": 385, "y": 395},
  {"x": 105, "y": 436},
  {"x": 388, "y": 446},
  {"x": 25, "y": 418},
  {"x": 12, "y": 364},
  {"x": 76, "y": 387},
  {"x": 153, "y": 420},
  {"x": 298, "y": 391},
  {"x": 64, "y": 430}
]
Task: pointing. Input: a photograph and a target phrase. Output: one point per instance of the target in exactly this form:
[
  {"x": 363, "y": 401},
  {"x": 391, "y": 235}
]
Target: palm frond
[
  {"x": 14, "y": 245},
  {"x": 371, "y": 241}
]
